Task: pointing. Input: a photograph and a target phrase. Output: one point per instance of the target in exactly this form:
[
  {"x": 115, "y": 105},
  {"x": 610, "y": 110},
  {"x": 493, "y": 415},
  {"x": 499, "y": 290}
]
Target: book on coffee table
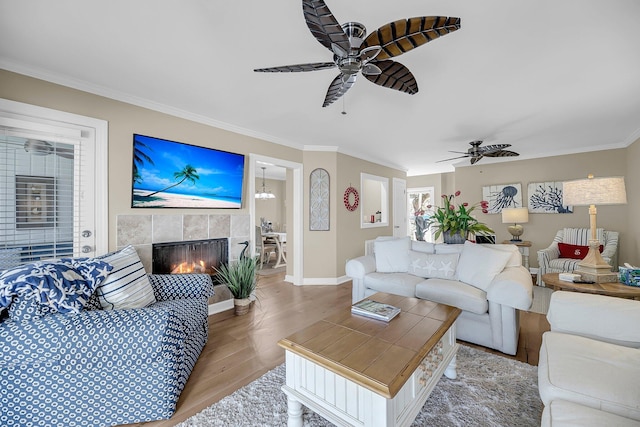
[{"x": 375, "y": 310}]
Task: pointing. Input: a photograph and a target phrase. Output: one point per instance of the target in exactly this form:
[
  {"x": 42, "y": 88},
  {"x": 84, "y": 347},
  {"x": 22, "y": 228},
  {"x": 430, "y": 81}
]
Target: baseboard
[
  {"x": 335, "y": 281},
  {"x": 220, "y": 306}
]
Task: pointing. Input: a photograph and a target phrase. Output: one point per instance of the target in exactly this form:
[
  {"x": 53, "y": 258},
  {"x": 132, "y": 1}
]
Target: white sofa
[
  {"x": 487, "y": 282},
  {"x": 589, "y": 367}
]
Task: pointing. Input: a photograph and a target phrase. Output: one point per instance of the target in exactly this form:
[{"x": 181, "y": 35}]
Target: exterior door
[{"x": 53, "y": 190}]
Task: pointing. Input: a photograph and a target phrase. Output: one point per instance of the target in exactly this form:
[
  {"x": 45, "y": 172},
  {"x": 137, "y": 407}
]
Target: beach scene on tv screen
[{"x": 168, "y": 174}]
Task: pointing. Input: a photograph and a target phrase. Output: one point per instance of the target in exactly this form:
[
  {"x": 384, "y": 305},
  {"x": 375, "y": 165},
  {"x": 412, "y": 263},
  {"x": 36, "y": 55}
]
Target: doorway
[
  {"x": 55, "y": 178},
  {"x": 293, "y": 218}
]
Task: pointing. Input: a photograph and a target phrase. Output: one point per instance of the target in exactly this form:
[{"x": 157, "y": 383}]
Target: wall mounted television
[{"x": 170, "y": 174}]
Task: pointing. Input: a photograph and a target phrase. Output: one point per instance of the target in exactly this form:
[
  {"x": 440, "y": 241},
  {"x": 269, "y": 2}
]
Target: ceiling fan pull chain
[{"x": 344, "y": 110}]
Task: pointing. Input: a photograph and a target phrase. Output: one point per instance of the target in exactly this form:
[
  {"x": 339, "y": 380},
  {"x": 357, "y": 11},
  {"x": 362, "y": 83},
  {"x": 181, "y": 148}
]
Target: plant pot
[
  {"x": 454, "y": 238},
  {"x": 241, "y": 306}
]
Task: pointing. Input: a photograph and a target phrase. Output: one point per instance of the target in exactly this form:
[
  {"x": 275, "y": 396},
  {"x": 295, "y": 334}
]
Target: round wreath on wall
[{"x": 351, "y": 199}]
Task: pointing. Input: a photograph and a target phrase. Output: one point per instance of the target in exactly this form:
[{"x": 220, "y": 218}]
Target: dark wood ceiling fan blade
[
  {"x": 487, "y": 149},
  {"x": 394, "y": 76},
  {"x": 313, "y": 66},
  {"x": 323, "y": 25},
  {"x": 337, "y": 88},
  {"x": 401, "y": 36},
  {"x": 502, "y": 153}
]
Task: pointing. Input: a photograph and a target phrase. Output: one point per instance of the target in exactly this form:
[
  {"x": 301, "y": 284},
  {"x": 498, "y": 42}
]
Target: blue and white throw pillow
[
  {"x": 64, "y": 286},
  {"x": 128, "y": 285}
]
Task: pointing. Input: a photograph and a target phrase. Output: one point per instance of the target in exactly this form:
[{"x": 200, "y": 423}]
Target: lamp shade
[
  {"x": 515, "y": 215},
  {"x": 594, "y": 191}
]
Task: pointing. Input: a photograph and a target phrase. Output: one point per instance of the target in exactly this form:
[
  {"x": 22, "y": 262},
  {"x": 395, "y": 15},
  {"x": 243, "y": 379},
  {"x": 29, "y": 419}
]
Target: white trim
[
  {"x": 331, "y": 281},
  {"x": 220, "y": 306},
  {"x": 297, "y": 204},
  {"x": 87, "y": 127}
]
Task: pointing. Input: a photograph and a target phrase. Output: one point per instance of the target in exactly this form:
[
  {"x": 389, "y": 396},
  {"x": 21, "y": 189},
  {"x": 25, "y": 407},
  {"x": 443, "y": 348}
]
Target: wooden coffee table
[
  {"x": 353, "y": 370},
  {"x": 613, "y": 289}
]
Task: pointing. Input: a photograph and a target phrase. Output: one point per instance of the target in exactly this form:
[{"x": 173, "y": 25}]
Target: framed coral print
[
  {"x": 546, "y": 197},
  {"x": 502, "y": 196}
]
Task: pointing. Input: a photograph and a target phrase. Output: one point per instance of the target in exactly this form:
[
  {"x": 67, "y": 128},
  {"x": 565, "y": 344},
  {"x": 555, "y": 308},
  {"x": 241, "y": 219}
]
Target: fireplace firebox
[{"x": 195, "y": 256}]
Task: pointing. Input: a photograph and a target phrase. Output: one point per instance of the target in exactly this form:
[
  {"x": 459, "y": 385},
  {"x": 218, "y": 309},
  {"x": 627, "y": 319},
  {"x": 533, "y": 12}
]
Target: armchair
[{"x": 549, "y": 260}]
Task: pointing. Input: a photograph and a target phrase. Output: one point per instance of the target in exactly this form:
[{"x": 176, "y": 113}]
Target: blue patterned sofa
[{"x": 99, "y": 366}]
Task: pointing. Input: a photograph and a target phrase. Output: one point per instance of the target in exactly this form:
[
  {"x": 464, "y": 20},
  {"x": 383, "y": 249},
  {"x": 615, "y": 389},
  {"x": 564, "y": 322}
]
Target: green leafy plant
[
  {"x": 239, "y": 276},
  {"x": 458, "y": 219}
]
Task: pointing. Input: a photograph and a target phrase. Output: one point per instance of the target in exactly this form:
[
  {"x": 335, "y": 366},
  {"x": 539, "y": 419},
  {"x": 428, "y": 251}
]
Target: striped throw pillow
[{"x": 127, "y": 286}]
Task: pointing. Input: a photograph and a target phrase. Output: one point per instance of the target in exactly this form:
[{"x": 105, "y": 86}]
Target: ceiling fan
[
  {"x": 476, "y": 152},
  {"x": 353, "y": 53}
]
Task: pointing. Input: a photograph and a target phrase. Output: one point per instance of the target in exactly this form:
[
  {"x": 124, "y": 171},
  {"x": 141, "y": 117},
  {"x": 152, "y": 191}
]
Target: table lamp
[
  {"x": 591, "y": 192},
  {"x": 515, "y": 216}
]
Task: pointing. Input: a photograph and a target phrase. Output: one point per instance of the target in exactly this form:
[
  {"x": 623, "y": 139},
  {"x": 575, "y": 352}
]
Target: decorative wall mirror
[
  {"x": 374, "y": 201},
  {"x": 319, "y": 200}
]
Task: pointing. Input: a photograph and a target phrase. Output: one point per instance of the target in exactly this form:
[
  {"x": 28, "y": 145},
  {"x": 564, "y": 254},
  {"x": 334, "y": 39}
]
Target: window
[{"x": 419, "y": 200}]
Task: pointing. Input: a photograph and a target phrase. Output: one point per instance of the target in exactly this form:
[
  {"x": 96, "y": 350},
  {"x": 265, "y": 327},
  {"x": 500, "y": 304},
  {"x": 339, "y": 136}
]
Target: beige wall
[
  {"x": 541, "y": 228},
  {"x": 272, "y": 209},
  {"x": 351, "y": 237},
  {"x": 326, "y": 252},
  {"x": 125, "y": 120},
  {"x": 630, "y": 243}
]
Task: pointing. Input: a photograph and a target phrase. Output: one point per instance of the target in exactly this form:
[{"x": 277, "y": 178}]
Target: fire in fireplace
[{"x": 195, "y": 256}]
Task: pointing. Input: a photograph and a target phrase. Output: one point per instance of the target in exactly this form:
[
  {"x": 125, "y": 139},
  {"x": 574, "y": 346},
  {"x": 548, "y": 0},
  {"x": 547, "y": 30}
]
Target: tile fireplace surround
[{"x": 141, "y": 231}]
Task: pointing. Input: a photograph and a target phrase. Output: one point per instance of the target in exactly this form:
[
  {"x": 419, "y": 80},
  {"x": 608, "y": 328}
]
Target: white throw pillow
[
  {"x": 433, "y": 265},
  {"x": 516, "y": 256},
  {"x": 478, "y": 265},
  {"x": 422, "y": 246},
  {"x": 127, "y": 286},
  {"x": 392, "y": 256}
]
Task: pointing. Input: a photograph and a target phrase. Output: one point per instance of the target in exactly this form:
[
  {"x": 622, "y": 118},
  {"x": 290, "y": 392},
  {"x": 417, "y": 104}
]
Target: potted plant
[
  {"x": 455, "y": 223},
  {"x": 241, "y": 279}
]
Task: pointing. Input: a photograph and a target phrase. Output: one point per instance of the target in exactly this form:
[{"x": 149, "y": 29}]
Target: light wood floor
[{"x": 242, "y": 348}]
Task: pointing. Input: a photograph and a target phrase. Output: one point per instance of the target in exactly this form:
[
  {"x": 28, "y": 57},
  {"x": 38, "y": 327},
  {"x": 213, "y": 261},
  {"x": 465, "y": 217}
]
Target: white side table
[{"x": 523, "y": 246}]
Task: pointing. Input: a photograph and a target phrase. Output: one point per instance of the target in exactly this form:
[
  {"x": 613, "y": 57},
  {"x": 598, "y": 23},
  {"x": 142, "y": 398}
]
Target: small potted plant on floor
[{"x": 241, "y": 279}]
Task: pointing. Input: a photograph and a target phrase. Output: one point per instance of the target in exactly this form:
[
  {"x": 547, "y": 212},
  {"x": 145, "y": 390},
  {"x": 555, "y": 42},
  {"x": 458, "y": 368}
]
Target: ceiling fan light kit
[{"x": 354, "y": 53}]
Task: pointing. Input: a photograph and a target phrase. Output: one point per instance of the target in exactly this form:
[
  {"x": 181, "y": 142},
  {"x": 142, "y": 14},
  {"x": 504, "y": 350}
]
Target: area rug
[{"x": 490, "y": 391}]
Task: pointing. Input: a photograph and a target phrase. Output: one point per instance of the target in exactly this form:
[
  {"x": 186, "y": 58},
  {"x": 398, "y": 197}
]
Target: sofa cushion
[
  {"x": 127, "y": 285},
  {"x": 561, "y": 413},
  {"x": 422, "y": 246},
  {"x": 392, "y": 256},
  {"x": 425, "y": 265},
  {"x": 455, "y": 293},
  {"x": 516, "y": 256},
  {"x": 589, "y": 372},
  {"x": 393, "y": 283},
  {"x": 445, "y": 248},
  {"x": 63, "y": 286},
  {"x": 478, "y": 265}
]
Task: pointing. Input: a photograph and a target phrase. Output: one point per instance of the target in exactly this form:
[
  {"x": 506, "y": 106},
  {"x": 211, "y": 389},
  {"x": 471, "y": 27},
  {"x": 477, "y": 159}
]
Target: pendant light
[{"x": 264, "y": 194}]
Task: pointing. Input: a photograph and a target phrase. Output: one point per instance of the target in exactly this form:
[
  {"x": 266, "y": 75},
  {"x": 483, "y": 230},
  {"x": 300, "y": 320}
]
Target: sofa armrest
[
  {"x": 512, "y": 287},
  {"x": 177, "y": 286},
  {"x": 357, "y": 268},
  {"x": 600, "y": 317},
  {"x": 93, "y": 338}
]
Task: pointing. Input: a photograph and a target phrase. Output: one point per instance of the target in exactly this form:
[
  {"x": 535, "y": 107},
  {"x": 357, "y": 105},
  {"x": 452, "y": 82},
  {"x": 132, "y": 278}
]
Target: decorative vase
[
  {"x": 454, "y": 238},
  {"x": 241, "y": 306}
]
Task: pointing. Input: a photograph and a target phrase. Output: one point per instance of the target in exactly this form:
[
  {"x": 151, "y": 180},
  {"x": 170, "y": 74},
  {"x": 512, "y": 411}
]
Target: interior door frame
[
  {"x": 297, "y": 274},
  {"x": 400, "y": 224},
  {"x": 89, "y": 129}
]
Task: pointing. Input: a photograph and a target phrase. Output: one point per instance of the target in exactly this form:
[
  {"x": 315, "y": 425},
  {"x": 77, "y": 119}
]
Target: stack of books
[{"x": 375, "y": 310}]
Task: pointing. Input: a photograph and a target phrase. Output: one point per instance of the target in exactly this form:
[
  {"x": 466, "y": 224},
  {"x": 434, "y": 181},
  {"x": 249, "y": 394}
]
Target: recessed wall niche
[{"x": 374, "y": 201}]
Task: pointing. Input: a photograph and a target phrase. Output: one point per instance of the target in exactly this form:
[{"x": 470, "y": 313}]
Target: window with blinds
[{"x": 38, "y": 197}]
